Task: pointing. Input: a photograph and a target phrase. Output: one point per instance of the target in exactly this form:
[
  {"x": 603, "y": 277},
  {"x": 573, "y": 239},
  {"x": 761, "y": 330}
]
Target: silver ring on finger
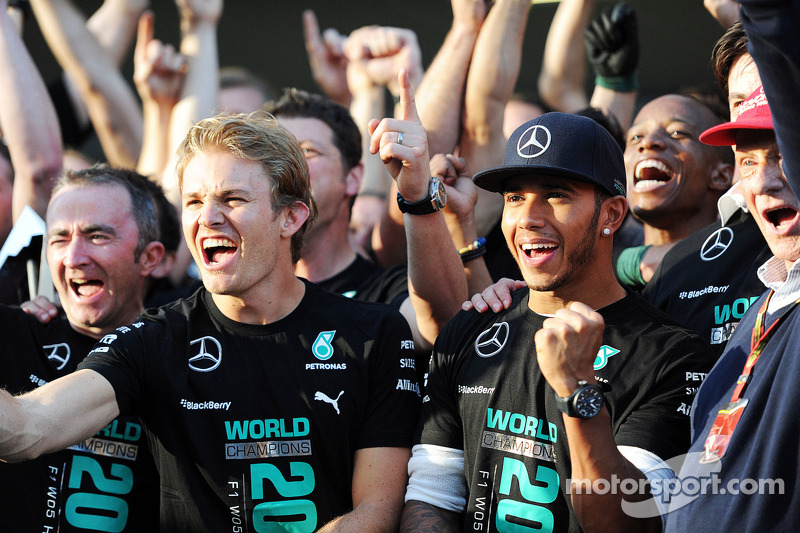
[{"x": 400, "y": 137}]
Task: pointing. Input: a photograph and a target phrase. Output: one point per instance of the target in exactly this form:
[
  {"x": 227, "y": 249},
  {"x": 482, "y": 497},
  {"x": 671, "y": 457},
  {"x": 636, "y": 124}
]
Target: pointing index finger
[{"x": 408, "y": 106}]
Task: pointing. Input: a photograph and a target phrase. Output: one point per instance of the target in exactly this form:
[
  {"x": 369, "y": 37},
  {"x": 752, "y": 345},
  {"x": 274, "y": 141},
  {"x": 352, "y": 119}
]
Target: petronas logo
[
  {"x": 322, "y": 347},
  {"x": 603, "y": 355}
]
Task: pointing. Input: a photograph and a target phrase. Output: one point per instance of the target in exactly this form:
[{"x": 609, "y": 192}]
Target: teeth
[
  {"x": 651, "y": 163},
  {"x": 77, "y": 281},
  {"x": 214, "y": 243},
  {"x": 527, "y": 247}
]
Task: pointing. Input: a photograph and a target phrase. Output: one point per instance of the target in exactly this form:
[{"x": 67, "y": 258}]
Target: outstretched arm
[
  {"x": 28, "y": 122},
  {"x": 56, "y": 415}
]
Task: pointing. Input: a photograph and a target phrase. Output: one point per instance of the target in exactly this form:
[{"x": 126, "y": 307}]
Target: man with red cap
[{"x": 746, "y": 432}]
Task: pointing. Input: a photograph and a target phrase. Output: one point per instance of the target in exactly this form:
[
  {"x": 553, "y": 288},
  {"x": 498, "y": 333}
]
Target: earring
[{"x": 606, "y": 232}]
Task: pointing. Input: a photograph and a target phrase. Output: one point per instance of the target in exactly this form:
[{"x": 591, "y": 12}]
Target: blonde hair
[{"x": 257, "y": 137}]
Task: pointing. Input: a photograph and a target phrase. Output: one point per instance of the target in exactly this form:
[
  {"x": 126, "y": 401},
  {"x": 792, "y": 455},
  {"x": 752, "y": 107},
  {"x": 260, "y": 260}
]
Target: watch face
[
  {"x": 438, "y": 193},
  {"x": 588, "y": 402}
]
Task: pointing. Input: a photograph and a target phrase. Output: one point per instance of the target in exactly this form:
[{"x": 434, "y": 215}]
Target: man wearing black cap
[{"x": 535, "y": 415}]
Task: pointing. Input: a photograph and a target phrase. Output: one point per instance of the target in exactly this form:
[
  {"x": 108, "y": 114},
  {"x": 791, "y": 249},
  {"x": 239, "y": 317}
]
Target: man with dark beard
[{"x": 528, "y": 409}]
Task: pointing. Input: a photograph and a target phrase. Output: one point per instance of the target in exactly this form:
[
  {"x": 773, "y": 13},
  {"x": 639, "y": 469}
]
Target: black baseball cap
[{"x": 560, "y": 144}]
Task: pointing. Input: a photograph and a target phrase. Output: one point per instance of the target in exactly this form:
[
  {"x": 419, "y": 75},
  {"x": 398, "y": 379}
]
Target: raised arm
[
  {"x": 437, "y": 284},
  {"x": 28, "y": 122},
  {"x": 110, "y": 101},
  {"x": 114, "y": 26},
  {"x": 565, "y": 349},
  {"x": 199, "y": 19},
  {"x": 561, "y": 80},
  {"x": 493, "y": 74},
  {"x": 56, "y": 415},
  {"x": 612, "y": 46},
  {"x": 375, "y": 56},
  {"x": 440, "y": 94},
  {"x": 159, "y": 72},
  {"x": 459, "y": 214},
  {"x": 326, "y": 59}
]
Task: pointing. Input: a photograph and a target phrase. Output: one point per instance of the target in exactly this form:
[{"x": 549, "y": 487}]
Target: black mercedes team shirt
[
  {"x": 364, "y": 280},
  {"x": 487, "y": 397},
  {"x": 105, "y": 483},
  {"x": 708, "y": 280},
  {"x": 256, "y": 427}
]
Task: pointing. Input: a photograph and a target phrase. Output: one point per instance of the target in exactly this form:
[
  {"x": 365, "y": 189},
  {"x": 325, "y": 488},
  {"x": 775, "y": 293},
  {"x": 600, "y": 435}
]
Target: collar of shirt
[
  {"x": 731, "y": 202},
  {"x": 786, "y": 285}
]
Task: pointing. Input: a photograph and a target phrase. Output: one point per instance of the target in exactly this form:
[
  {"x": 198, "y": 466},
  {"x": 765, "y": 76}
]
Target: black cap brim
[{"x": 494, "y": 179}]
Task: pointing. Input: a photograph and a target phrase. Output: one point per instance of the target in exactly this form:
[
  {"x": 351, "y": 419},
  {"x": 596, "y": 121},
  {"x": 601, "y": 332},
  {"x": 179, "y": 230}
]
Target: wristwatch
[
  {"x": 435, "y": 201},
  {"x": 585, "y": 401}
]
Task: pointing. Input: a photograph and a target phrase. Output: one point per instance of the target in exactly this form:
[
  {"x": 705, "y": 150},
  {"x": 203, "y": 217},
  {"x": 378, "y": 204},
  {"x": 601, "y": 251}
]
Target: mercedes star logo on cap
[{"x": 537, "y": 136}]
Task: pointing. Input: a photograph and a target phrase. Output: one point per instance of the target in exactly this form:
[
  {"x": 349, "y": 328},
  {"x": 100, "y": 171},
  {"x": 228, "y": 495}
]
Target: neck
[
  {"x": 268, "y": 302},
  {"x": 595, "y": 291},
  {"x": 679, "y": 227},
  {"x": 325, "y": 254},
  {"x": 101, "y": 331}
]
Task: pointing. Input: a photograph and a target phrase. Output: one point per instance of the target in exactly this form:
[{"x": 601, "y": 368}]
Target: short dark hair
[
  {"x": 5, "y": 154},
  {"x": 728, "y": 49},
  {"x": 143, "y": 207},
  {"x": 608, "y": 121},
  {"x": 238, "y": 76},
  {"x": 295, "y": 103}
]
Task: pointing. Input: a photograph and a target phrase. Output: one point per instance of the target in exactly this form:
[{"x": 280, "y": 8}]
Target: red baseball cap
[{"x": 754, "y": 114}]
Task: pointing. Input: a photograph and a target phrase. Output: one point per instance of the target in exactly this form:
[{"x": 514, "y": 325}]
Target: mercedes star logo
[
  {"x": 537, "y": 136},
  {"x": 716, "y": 244},
  {"x": 492, "y": 340},
  {"x": 59, "y": 353},
  {"x": 206, "y": 360}
]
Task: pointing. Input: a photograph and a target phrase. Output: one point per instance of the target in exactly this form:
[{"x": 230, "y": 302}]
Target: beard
[{"x": 574, "y": 262}]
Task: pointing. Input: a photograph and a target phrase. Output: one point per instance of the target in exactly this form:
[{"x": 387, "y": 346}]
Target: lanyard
[{"x": 758, "y": 341}]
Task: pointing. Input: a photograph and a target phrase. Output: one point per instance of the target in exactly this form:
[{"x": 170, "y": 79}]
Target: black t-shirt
[
  {"x": 106, "y": 483},
  {"x": 709, "y": 279},
  {"x": 364, "y": 280},
  {"x": 487, "y": 397},
  {"x": 257, "y": 426}
]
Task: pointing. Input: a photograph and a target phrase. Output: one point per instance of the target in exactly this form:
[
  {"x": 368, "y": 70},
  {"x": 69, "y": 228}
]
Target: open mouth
[
  {"x": 782, "y": 218},
  {"x": 651, "y": 174},
  {"x": 218, "y": 250},
  {"x": 86, "y": 288},
  {"x": 535, "y": 251}
]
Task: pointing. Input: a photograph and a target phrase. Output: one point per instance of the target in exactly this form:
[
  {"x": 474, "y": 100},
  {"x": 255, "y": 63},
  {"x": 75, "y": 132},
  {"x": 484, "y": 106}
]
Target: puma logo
[{"x": 321, "y": 396}]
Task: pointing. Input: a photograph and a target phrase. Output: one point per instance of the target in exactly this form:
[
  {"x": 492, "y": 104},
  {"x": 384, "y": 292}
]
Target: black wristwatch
[
  {"x": 435, "y": 201},
  {"x": 585, "y": 401}
]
